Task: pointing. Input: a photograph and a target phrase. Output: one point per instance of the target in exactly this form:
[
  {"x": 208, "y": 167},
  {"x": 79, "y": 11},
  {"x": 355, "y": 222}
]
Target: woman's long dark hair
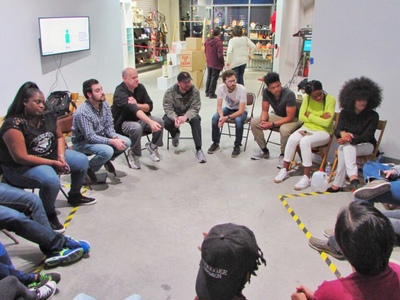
[{"x": 25, "y": 91}]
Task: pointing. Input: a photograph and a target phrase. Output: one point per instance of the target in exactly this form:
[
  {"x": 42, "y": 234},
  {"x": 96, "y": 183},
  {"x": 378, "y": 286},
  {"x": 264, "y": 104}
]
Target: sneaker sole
[
  {"x": 301, "y": 188},
  {"x": 279, "y": 181},
  {"x": 212, "y": 152},
  {"x": 71, "y": 257},
  {"x": 59, "y": 230},
  {"x": 83, "y": 203},
  {"x": 367, "y": 193},
  {"x": 335, "y": 255},
  {"x": 259, "y": 158}
]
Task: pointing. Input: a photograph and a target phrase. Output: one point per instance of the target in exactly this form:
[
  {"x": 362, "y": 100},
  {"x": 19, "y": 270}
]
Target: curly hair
[{"x": 361, "y": 88}]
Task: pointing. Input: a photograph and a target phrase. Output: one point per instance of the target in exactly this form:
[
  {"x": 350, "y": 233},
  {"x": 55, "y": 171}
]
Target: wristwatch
[
  {"x": 229, "y": 117},
  {"x": 273, "y": 124}
]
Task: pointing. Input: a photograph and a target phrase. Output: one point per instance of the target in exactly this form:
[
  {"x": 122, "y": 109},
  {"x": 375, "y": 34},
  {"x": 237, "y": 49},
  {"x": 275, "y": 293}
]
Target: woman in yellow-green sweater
[{"x": 317, "y": 112}]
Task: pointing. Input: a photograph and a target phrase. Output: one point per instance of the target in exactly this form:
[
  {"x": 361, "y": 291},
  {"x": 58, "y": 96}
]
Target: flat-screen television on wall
[{"x": 64, "y": 35}]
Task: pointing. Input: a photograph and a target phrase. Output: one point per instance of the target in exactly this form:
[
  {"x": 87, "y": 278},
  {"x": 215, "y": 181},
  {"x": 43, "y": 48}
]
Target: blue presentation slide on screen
[{"x": 60, "y": 35}]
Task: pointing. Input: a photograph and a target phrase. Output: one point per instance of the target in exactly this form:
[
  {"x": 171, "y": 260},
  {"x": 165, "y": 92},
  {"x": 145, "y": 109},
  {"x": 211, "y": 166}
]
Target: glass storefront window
[
  {"x": 261, "y": 14},
  {"x": 232, "y": 2},
  {"x": 237, "y": 16},
  {"x": 262, "y": 1}
]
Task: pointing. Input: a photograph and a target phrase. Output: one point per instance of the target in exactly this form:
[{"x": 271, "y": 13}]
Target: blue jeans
[
  {"x": 22, "y": 212},
  {"x": 46, "y": 179},
  {"x": 240, "y": 73},
  {"x": 7, "y": 268},
  {"x": 239, "y": 121},
  {"x": 371, "y": 171},
  {"x": 102, "y": 152}
]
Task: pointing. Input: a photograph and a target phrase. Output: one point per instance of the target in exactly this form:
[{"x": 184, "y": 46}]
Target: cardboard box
[
  {"x": 193, "y": 60},
  {"x": 198, "y": 79},
  {"x": 177, "y": 47},
  {"x": 193, "y": 43}
]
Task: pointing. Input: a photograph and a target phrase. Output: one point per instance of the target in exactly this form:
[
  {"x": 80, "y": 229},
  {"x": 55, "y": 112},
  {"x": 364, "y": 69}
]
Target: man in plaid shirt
[{"x": 93, "y": 130}]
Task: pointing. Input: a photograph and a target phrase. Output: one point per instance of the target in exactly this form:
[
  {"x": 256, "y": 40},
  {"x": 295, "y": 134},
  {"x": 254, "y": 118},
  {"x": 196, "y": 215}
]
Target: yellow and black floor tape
[
  {"x": 66, "y": 224},
  {"x": 324, "y": 256}
]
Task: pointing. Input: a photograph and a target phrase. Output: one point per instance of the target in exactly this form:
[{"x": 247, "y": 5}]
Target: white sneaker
[
  {"x": 304, "y": 183},
  {"x": 280, "y": 162},
  {"x": 259, "y": 155},
  {"x": 200, "y": 156},
  {"x": 282, "y": 175},
  {"x": 133, "y": 160},
  {"x": 175, "y": 140},
  {"x": 155, "y": 156}
]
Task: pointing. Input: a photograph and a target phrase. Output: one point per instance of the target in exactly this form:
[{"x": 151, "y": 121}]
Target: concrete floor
[{"x": 147, "y": 224}]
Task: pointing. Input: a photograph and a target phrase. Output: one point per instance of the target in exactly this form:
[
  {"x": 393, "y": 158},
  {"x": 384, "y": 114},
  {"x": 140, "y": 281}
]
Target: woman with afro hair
[
  {"x": 356, "y": 127},
  {"x": 316, "y": 112}
]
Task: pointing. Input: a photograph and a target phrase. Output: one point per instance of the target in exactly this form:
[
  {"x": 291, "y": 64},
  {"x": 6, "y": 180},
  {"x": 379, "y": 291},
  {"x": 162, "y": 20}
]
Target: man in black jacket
[{"x": 131, "y": 112}]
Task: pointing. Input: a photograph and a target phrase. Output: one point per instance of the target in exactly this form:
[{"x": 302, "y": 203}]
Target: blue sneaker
[
  {"x": 72, "y": 243},
  {"x": 65, "y": 256}
]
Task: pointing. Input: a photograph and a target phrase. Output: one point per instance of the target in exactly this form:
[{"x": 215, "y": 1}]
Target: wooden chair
[
  {"x": 251, "y": 100},
  {"x": 321, "y": 150},
  {"x": 363, "y": 159}
]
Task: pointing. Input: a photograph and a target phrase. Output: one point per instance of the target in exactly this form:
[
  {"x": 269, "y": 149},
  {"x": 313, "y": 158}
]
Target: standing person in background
[
  {"x": 215, "y": 61},
  {"x": 240, "y": 48},
  {"x": 355, "y": 131}
]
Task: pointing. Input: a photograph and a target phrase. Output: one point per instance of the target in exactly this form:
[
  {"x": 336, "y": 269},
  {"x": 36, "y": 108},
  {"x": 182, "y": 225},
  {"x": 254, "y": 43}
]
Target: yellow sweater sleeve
[{"x": 314, "y": 120}]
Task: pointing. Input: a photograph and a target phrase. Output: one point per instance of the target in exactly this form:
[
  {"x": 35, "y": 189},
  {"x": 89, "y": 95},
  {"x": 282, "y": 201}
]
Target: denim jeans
[
  {"x": 240, "y": 73},
  {"x": 239, "y": 121},
  {"x": 7, "y": 268},
  {"x": 371, "y": 170},
  {"x": 22, "y": 212},
  {"x": 102, "y": 152},
  {"x": 46, "y": 179}
]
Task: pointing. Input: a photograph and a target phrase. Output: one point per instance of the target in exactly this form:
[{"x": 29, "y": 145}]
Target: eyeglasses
[{"x": 231, "y": 81}]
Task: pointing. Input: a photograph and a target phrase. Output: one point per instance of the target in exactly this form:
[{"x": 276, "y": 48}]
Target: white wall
[
  {"x": 291, "y": 16},
  {"x": 20, "y": 58},
  {"x": 360, "y": 38}
]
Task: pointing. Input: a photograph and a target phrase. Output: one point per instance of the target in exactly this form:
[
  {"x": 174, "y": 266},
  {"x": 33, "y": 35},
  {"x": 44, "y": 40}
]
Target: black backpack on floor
[{"x": 59, "y": 102}]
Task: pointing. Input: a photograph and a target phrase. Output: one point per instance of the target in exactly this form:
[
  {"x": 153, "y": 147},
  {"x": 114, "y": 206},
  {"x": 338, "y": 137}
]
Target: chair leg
[
  {"x": 333, "y": 169},
  {"x": 266, "y": 144},
  {"x": 127, "y": 159},
  {"x": 11, "y": 236},
  {"x": 64, "y": 193},
  {"x": 247, "y": 137},
  {"x": 229, "y": 130}
]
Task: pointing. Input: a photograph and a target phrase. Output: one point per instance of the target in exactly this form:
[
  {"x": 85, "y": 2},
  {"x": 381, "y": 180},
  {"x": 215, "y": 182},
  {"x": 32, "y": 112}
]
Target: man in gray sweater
[{"x": 182, "y": 104}]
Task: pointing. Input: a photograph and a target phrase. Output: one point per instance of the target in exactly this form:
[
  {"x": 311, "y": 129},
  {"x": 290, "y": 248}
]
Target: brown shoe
[
  {"x": 110, "y": 167},
  {"x": 322, "y": 246}
]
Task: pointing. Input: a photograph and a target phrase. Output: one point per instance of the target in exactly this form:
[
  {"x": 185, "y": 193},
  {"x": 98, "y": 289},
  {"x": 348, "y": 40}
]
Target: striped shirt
[{"x": 93, "y": 126}]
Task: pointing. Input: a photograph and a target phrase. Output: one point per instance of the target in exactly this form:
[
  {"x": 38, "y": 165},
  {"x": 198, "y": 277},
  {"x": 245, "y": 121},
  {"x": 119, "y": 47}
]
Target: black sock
[{"x": 265, "y": 150}]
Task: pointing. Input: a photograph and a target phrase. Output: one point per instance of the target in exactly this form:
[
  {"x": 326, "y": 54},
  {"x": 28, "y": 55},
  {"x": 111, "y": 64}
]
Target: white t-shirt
[{"x": 232, "y": 100}]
